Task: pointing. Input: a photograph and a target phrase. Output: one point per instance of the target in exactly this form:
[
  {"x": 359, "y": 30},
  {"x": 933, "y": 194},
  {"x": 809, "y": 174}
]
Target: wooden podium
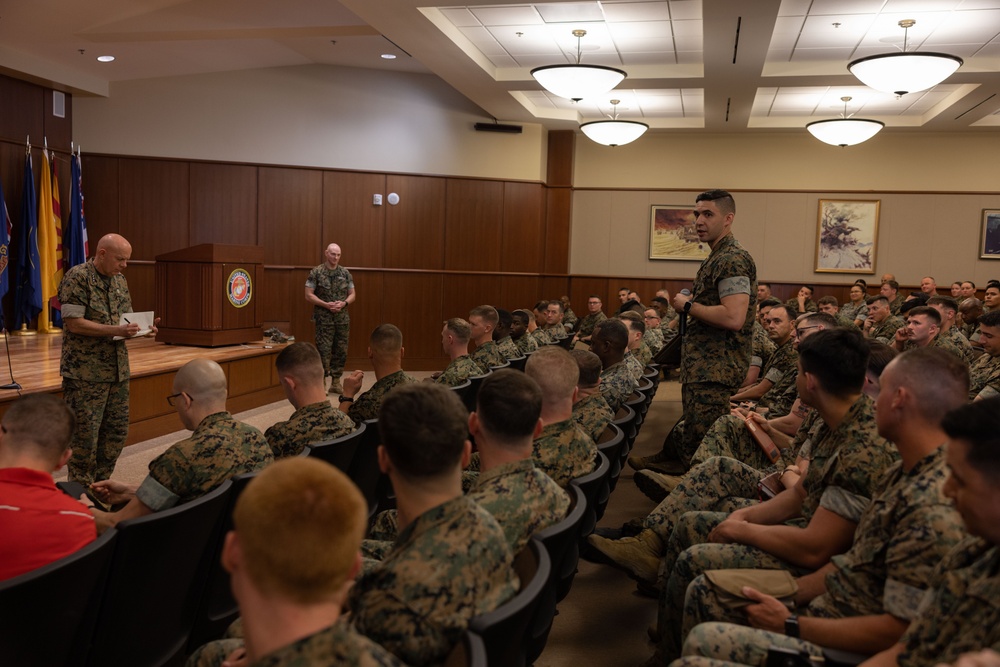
[{"x": 209, "y": 295}]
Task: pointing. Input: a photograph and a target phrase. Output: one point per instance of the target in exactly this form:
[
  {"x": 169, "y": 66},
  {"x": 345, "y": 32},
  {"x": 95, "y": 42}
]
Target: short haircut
[
  {"x": 660, "y": 300},
  {"x": 459, "y": 328},
  {"x": 508, "y": 405},
  {"x": 838, "y": 358},
  {"x": 931, "y": 313},
  {"x": 948, "y": 302},
  {"x": 977, "y": 424},
  {"x": 826, "y": 319},
  {"x": 990, "y": 319},
  {"x": 299, "y": 524},
  {"x": 614, "y": 332},
  {"x": 488, "y": 313},
  {"x": 630, "y": 315},
  {"x": 203, "y": 380},
  {"x": 558, "y": 303},
  {"x": 827, "y": 301},
  {"x": 970, "y": 282},
  {"x": 812, "y": 290},
  {"x": 723, "y": 200},
  {"x": 879, "y": 356},
  {"x": 769, "y": 302},
  {"x": 504, "y": 318},
  {"x": 555, "y": 371},
  {"x": 522, "y": 316},
  {"x": 42, "y": 422},
  {"x": 386, "y": 339},
  {"x": 893, "y": 284},
  {"x": 938, "y": 379},
  {"x": 541, "y": 305},
  {"x": 624, "y": 289},
  {"x": 877, "y": 297},
  {"x": 589, "y": 365},
  {"x": 424, "y": 428},
  {"x": 594, "y": 296},
  {"x": 301, "y": 360},
  {"x": 767, "y": 285},
  {"x": 790, "y": 312},
  {"x": 635, "y": 325}
]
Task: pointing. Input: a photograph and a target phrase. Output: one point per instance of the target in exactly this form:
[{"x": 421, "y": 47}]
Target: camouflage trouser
[
  {"x": 717, "y": 485},
  {"x": 716, "y": 644},
  {"x": 729, "y": 436},
  {"x": 101, "y": 412},
  {"x": 703, "y": 403},
  {"x": 332, "y": 333},
  {"x": 689, "y": 555},
  {"x": 213, "y": 653}
]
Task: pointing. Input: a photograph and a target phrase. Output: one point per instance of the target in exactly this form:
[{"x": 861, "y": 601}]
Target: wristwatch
[
  {"x": 346, "y": 399},
  {"x": 792, "y": 626},
  {"x": 687, "y": 307}
]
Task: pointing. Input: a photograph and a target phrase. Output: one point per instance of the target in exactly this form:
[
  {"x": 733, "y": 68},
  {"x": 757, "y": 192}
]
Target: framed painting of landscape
[
  {"x": 847, "y": 236},
  {"x": 672, "y": 234}
]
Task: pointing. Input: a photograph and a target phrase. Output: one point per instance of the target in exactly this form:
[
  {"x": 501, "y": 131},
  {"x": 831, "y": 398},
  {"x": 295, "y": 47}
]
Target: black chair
[
  {"x": 461, "y": 388},
  {"x": 594, "y": 485},
  {"x": 494, "y": 369},
  {"x": 339, "y": 452},
  {"x": 365, "y": 473},
  {"x": 637, "y": 401},
  {"x": 612, "y": 442},
  {"x": 625, "y": 420},
  {"x": 469, "y": 397},
  {"x": 517, "y": 363},
  {"x": 47, "y": 615},
  {"x": 504, "y": 630},
  {"x": 562, "y": 542},
  {"x": 157, "y": 579},
  {"x": 470, "y": 652},
  {"x": 566, "y": 343},
  {"x": 218, "y": 609},
  {"x": 652, "y": 372}
]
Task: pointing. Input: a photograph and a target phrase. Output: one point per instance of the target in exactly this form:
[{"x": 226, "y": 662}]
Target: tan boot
[
  {"x": 660, "y": 462},
  {"x": 656, "y": 486},
  {"x": 335, "y": 386},
  {"x": 640, "y": 556}
]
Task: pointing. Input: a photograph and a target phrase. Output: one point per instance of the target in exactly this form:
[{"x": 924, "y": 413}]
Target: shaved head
[{"x": 202, "y": 380}]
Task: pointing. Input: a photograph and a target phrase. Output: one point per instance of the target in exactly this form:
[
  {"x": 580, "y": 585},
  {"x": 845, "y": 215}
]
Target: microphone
[{"x": 682, "y": 317}]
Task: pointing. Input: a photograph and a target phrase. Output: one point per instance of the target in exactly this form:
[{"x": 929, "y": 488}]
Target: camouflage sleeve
[
  {"x": 388, "y": 620},
  {"x": 311, "y": 280},
  {"x": 155, "y": 496},
  {"x": 845, "y": 504},
  {"x": 734, "y": 285},
  {"x": 281, "y": 439},
  {"x": 350, "y": 280},
  {"x": 166, "y": 480},
  {"x": 73, "y": 295}
]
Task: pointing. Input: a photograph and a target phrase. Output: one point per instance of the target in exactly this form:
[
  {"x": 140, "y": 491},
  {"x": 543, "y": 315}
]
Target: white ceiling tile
[
  {"x": 625, "y": 12},
  {"x": 646, "y": 46},
  {"x": 460, "y": 16},
  {"x": 794, "y": 7},
  {"x": 685, "y": 9},
  {"x": 688, "y": 35},
  {"x": 647, "y": 30},
  {"x": 830, "y": 7},
  {"x": 690, "y": 58},
  {"x": 650, "y": 58},
  {"x": 967, "y": 28},
  {"x": 514, "y": 15},
  {"x": 960, "y": 50},
  {"x": 885, "y": 28},
  {"x": 561, "y": 12},
  {"x": 779, "y": 55},
  {"x": 526, "y": 39},
  {"x": 820, "y": 31},
  {"x": 977, "y": 4},
  {"x": 905, "y": 6},
  {"x": 504, "y": 61},
  {"x": 822, "y": 55},
  {"x": 646, "y": 93},
  {"x": 484, "y": 41},
  {"x": 606, "y": 59},
  {"x": 991, "y": 50},
  {"x": 532, "y": 60},
  {"x": 654, "y": 106}
]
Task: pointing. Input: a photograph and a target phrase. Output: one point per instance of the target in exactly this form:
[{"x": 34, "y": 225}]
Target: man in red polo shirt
[{"x": 39, "y": 523}]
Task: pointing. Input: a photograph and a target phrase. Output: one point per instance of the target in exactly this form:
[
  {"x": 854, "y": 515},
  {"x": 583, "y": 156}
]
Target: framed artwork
[
  {"x": 989, "y": 244},
  {"x": 847, "y": 236},
  {"x": 672, "y": 234}
]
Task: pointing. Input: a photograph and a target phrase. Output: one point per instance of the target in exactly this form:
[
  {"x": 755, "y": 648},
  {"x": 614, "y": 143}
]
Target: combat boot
[
  {"x": 335, "y": 386},
  {"x": 660, "y": 462},
  {"x": 655, "y": 485},
  {"x": 640, "y": 556}
]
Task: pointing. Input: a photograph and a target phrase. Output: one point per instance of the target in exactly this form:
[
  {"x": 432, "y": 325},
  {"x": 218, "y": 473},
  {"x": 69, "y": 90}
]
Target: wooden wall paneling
[
  {"x": 561, "y": 149},
  {"x": 553, "y": 287},
  {"x": 301, "y": 312},
  {"x": 249, "y": 375},
  {"x": 580, "y": 289},
  {"x": 646, "y": 288},
  {"x": 462, "y": 293},
  {"x": 473, "y": 225},
  {"x": 140, "y": 279},
  {"x": 154, "y": 205},
  {"x": 366, "y": 311},
  {"x": 223, "y": 203},
  {"x": 276, "y": 294},
  {"x": 148, "y": 396},
  {"x": 290, "y": 215},
  {"x": 414, "y": 228},
  {"x": 412, "y": 301},
  {"x": 21, "y": 114},
  {"x": 523, "y": 245},
  {"x": 101, "y": 204},
  {"x": 58, "y": 131},
  {"x": 519, "y": 292},
  {"x": 351, "y": 220},
  {"x": 558, "y": 211}
]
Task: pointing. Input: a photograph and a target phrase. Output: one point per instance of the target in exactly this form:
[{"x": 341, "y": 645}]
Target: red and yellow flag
[{"x": 49, "y": 239}]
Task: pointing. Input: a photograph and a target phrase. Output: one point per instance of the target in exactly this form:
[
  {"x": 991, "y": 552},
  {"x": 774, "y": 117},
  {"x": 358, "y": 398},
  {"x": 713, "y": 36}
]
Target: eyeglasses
[
  {"x": 171, "y": 398},
  {"x": 801, "y": 330}
]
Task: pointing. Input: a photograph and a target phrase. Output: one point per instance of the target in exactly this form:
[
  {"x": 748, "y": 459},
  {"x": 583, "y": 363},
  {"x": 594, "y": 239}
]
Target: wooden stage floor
[{"x": 249, "y": 368}]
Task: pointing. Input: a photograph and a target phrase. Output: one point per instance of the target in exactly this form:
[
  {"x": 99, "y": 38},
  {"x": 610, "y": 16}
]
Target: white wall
[{"x": 314, "y": 116}]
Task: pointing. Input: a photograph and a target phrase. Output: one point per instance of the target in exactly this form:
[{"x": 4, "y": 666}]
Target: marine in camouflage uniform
[
  {"x": 367, "y": 404},
  {"x": 957, "y": 340},
  {"x": 781, "y": 370},
  {"x": 763, "y": 347},
  {"x": 339, "y": 644},
  {"x": 508, "y": 349},
  {"x": 631, "y": 361},
  {"x": 585, "y": 327},
  {"x": 811, "y": 306},
  {"x": 846, "y": 469},
  {"x": 486, "y": 356},
  {"x": 458, "y": 371},
  {"x": 564, "y": 452},
  {"x": 643, "y": 353},
  {"x": 617, "y": 384},
  {"x": 95, "y": 371},
  {"x": 853, "y": 311},
  {"x": 902, "y": 537},
  {"x": 715, "y": 361},
  {"x": 569, "y": 318},
  {"x": 332, "y": 329},
  {"x": 961, "y": 612},
  {"x": 653, "y": 339},
  {"x": 555, "y": 332},
  {"x": 219, "y": 448},
  {"x": 886, "y": 331},
  {"x": 897, "y": 303},
  {"x": 593, "y": 414},
  {"x": 542, "y": 336},
  {"x": 526, "y": 344},
  {"x": 450, "y": 564},
  {"x": 984, "y": 377},
  {"x": 316, "y": 422}
]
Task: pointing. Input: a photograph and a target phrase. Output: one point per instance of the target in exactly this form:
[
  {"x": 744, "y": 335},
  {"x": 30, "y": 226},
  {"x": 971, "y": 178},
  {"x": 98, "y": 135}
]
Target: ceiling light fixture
[
  {"x": 614, "y": 132},
  {"x": 845, "y": 131},
  {"x": 576, "y": 82},
  {"x": 389, "y": 56},
  {"x": 106, "y": 59},
  {"x": 902, "y": 73}
]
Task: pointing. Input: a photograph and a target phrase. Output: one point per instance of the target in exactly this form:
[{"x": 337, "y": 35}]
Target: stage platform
[{"x": 249, "y": 368}]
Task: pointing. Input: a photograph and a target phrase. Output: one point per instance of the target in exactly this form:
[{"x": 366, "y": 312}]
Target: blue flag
[
  {"x": 28, "y": 287},
  {"x": 75, "y": 234},
  {"x": 4, "y": 250}
]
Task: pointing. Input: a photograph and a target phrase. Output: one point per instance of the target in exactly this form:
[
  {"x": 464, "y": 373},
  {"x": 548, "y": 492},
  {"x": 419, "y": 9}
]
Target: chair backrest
[
  {"x": 469, "y": 397},
  {"x": 494, "y": 369},
  {"x": 652, "y": 373},
  {"x": 612, "y": 442},
  {"x": 566, "y": 343},
  {"x": 339, "y": 452},
  {"x": 470, "y": 652},
  {"x": 364, "y": 470},
  {"x": 60, "y": 596},
  {"x": 504, "y": 630},
  {"x": 637, "y": 401},
  {"x": 594, "y": 485},
  {"x": 218, "y": 608},
  {"x": 157, "y": 579},
  {"x": 517, "y": 363},
  {"x": 461, "y": 388},
  {"x": 625, "y": 420},
  {"x": 561, "y": 541}
]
